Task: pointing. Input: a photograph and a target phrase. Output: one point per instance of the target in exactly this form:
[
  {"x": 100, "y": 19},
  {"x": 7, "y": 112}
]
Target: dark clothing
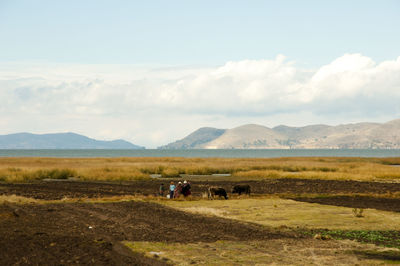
[
  {"x": 186, "y": 190},
  {"x": 162, "y": 190},
  {"x": 178, "y": 191}
]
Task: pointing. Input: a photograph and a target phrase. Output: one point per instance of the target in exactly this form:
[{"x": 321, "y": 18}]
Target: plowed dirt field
[
  {"x": 72, "y": 189},
  {"x": 63, "y": 234},
  {"x": 91, "y": 233},
  {"x": 76, "y": 189}
]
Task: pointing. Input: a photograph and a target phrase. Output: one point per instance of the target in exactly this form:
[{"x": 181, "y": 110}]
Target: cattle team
[{"x": 185, "y": 189}]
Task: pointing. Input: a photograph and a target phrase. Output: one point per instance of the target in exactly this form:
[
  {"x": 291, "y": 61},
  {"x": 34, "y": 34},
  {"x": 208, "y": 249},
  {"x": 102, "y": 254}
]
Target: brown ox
[
  {"x": 216, "y": 191},
  {"x": 241, "y": 189}
]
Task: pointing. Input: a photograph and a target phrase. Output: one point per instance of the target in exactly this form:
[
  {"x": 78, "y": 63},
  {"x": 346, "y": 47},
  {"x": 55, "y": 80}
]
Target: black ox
[
  {"x": 216, "y": 191},
  {"x": 241, "y": 189}
]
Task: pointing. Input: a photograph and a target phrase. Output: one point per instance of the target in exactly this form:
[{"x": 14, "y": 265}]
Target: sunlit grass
[
  {"x": 271, "y": 252},
  {"x": 16, "y": 199},
  {"x": 125, "y": 169},
  {"x": 277, "y": 212}
]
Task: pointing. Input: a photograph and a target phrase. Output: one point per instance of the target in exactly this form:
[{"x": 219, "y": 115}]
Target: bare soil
[
  {"x": 56, "y": 190},
  {"x": 364, "y": 202},
  {"x": 82, "y": 233},
  {"x": 78, "y": 189},
  {"x": 91, "y": 233}
]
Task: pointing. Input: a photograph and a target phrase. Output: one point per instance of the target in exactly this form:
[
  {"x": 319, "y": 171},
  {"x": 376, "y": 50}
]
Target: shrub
[
  {"x": 358, "y": 212},
  {"x": 170, "y": 172},
  {"x": 52, "y": 174}
]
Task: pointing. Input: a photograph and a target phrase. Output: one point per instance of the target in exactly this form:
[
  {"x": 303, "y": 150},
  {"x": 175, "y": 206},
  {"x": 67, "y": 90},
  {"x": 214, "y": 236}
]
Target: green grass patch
[{"x": 387, "y": 238}]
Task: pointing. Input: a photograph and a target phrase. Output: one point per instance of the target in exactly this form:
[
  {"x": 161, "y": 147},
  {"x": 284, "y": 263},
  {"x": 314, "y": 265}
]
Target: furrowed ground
[{"x": 98, "y": 234}]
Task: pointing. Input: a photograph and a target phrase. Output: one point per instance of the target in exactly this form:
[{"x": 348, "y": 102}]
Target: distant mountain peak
[
  {"x": 67, "y": 140},
  {"x": 196, "y": 139}
]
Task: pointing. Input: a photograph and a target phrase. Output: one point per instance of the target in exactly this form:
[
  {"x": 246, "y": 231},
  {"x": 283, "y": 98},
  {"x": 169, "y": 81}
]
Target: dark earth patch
[
  {"x": 390, "y": 256},
  {"x": 91, "y": 233},
  {"x": 385, "y": 204},
  {"x": 77, "y": 189}
]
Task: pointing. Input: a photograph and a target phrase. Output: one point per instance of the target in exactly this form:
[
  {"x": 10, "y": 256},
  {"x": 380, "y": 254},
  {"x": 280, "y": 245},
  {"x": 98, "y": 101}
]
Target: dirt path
[{"x": 65, "y": 234}]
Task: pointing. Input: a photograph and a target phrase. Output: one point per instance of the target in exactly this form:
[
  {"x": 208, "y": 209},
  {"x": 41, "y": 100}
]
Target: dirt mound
[{"x": 91, "y": 233}]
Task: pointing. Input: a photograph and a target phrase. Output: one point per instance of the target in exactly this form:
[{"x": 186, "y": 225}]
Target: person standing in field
[
  {"x": 171, "y": 190},
  {"x": 178, "y": 190},
  {"x": 161, "y": 190},
  {"x": 186, "y": 189}
]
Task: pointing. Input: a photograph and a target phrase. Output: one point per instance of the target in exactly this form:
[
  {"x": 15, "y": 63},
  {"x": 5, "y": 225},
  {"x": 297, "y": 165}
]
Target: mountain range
[
  {"x": 60, "y": 141},
  {"x": 252, "y": 136}
]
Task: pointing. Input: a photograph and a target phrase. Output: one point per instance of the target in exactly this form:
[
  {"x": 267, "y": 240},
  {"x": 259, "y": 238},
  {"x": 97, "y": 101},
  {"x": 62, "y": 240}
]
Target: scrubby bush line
[{"x": 23, "y": 169}]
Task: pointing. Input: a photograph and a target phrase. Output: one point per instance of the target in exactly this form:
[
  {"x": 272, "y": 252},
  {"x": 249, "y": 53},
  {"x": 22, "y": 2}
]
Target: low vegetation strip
[
  {"x": 124, "y": 169},
  {"x": 388, "y": 238}
]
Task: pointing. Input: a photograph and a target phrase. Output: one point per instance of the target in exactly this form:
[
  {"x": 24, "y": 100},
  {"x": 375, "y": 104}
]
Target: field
[
  {"x": 307, "y": 214},
  {"x": 128, "y": 169}
]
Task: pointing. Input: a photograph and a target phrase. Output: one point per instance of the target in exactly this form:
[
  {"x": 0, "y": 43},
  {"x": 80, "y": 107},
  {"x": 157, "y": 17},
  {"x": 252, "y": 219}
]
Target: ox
[
  {"x": 241, "y": 189},
  {"x": 216, "y": 191}
]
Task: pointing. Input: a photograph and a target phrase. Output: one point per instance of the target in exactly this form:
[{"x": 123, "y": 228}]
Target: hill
[
  {"x": 60, "y": 141},
  {"x": 248, "y": 137},
  {"x": 196, "y": 140},
  {"x": 348, "y": 136}
]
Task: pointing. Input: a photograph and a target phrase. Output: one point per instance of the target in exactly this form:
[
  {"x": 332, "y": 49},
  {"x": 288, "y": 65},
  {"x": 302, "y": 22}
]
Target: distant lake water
[{"x": 200, "y": 153}]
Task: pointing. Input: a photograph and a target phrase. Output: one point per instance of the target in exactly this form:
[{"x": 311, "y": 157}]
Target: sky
[{"x": 151, "y": 72}]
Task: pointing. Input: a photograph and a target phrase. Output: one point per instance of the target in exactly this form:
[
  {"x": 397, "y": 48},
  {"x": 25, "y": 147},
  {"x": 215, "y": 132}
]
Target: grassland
[
  {"x": 273, "y": 252},
  {"x": 306, "y": 219},
  {"x": 119, "y": 169},
  {"x": 281, "y": 213}
]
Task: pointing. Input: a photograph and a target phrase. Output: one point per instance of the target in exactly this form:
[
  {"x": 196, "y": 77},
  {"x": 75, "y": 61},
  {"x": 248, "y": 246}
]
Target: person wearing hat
[
  {"x": 178, "y": 190},
  {"x": 171, "y": 190},
  {"x": 186, "y": 189}
]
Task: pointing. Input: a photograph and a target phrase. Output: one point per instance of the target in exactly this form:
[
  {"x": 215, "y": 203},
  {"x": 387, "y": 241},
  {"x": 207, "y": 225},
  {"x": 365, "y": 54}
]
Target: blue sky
[
  {"x": 154, "y": 71},
  {"x": 196, "y": 32}
]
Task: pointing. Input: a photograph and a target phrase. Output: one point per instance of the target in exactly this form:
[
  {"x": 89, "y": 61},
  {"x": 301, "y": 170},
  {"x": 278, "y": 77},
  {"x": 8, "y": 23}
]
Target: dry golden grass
[
  {"x": 24, "y": 200},
  {"x": 271, "y": 252},
  {"x": 277, "y": 212},
  {"x": 119, "y": 169},
  {"x": 16, "y": 199}
]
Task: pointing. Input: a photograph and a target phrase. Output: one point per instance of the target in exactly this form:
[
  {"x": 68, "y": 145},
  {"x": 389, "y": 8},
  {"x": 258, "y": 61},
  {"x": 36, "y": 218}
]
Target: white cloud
[{"x": 153, "y": 105}]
